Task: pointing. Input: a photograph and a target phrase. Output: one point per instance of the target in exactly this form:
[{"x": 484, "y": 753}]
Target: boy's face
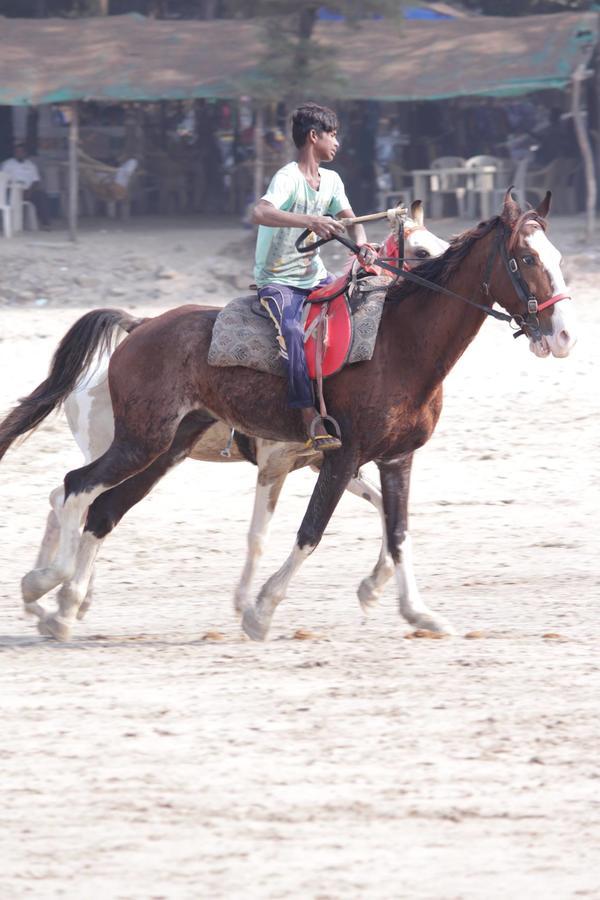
[{"x": 326, "y": 144}]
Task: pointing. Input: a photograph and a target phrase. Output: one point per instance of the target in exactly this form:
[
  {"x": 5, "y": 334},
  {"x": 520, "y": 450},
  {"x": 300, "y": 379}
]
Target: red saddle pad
[{"x": 338, "y": 334}]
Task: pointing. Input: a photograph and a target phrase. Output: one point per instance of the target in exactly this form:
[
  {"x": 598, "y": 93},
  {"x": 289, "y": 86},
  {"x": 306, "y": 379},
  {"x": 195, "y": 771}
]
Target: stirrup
[
  {"x": 334, "y": 424},
  {"x": 322, "y": 442}
]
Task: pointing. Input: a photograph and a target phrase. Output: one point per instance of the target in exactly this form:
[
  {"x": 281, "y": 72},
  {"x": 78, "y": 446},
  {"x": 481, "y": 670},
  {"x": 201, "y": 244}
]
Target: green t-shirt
[{"x": 277, "y": 260}]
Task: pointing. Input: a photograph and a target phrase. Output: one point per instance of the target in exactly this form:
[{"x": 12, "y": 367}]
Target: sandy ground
[{"x": 143, "y": 761}]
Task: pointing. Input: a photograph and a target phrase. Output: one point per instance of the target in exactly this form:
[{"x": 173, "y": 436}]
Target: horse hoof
[
  {"x": 429, "y": 622},
  {"x": 368, "y": 597},
  {"x": 256, "y": 629},
  {"x": 52, "y": 627},
  {"x": 83, "y": 609}
]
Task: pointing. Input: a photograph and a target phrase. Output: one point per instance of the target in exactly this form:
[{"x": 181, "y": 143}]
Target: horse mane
[{"x": 441, "y": 268}]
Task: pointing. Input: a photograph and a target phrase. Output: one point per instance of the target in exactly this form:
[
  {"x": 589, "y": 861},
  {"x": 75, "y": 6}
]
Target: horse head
[
  {"x": 419, "y": 242},
  {"x": 531, "y": 283}
]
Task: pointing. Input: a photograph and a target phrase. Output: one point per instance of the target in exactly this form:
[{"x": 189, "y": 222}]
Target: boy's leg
[
  {"x": 285, "y": 307},
  {"x": 284, "y": 304}
]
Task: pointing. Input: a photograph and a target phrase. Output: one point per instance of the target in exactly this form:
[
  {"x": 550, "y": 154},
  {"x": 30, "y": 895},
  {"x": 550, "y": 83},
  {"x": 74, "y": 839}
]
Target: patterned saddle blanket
[{"x": 244, "y": 335}]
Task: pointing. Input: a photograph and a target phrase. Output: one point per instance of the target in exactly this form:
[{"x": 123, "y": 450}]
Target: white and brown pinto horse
[
  {"x": 88, "y": 410},
  {"x": 165, "y": 396}
]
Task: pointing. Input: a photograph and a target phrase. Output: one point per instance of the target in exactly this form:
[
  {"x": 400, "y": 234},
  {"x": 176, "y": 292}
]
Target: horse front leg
[
  {"x": 336, "y": 471},
  {"x": 370, "y": 588},
  {"x": 395, "y": 484}
]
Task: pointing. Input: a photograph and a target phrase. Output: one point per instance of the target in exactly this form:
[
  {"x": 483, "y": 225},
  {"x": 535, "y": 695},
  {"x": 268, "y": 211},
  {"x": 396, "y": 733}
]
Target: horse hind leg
[
  {"x": 48, "y": 548},
  {"x": 82, "y": 486},
  {"x": 105, "y": 513},
  {"x": 87, "y": 600},
  {"x": 73, "y": 593}
]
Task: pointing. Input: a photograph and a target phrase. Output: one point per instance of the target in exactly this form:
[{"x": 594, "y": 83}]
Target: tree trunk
[
  {"x": 73, "y": 171},
  {"x": 586, "y": 149},
  {"x": 259, "y": 156}
]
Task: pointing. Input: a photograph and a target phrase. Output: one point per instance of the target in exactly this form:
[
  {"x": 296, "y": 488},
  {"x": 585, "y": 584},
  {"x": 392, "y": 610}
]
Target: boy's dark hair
[{"x": 309, "y": 116}]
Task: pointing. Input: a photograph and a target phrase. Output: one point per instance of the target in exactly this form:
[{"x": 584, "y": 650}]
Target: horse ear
[
  {"x": 416, "y": 211},
  {"x": 544, "y": 207},
  {"x": 511, "y": 209}
]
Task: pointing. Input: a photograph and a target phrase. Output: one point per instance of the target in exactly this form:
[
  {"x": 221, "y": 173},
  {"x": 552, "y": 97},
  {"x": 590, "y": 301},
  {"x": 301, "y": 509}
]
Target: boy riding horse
[{"x": 301, "y": 195}]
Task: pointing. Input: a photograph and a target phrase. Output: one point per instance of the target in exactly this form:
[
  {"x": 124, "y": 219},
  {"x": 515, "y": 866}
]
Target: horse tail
[{"x": 93, "y": 333}]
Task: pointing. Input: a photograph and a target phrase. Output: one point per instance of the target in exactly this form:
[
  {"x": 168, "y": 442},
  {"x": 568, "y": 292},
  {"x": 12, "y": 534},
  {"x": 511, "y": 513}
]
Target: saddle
[
  {"x": 340, "y": 322},
  {"x": 328, "y": 328}
]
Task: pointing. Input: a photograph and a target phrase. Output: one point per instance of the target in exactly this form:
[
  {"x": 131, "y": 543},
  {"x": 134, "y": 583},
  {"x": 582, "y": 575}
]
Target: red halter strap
[{"x": 553, "y": 300}]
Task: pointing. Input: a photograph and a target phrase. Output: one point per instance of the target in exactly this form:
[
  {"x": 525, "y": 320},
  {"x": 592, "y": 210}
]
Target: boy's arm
[
  {"x": 264, "y": 213},
  {"x": 368, "y": 254},
  {"x": 356, "y": 232}
]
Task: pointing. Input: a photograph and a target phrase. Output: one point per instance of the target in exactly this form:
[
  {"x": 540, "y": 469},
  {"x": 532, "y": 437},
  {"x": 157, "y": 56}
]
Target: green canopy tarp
[{"x": 133, "y": 58}]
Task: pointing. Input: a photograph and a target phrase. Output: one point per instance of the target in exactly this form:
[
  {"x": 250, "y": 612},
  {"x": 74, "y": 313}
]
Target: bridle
[
  {"x": 403, "y": 234},
  {"x": 527, "y": 323}
]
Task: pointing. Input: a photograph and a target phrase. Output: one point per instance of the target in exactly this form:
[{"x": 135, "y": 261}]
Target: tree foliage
[{"x": 291, "y": 56}]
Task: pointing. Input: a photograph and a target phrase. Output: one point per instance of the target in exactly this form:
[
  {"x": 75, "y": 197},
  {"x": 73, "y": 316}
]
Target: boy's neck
[{"x": 308, "y": 162}]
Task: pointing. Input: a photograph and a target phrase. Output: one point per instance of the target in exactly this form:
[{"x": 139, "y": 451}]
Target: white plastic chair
[
  {"x": 5, "y": 207},
  {"x": 482, "y": 186},
  {"x": 30, "y": 219},
  {"x": 449, "y": 184}
]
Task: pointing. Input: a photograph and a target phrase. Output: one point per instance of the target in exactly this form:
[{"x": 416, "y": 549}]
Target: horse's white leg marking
[
  {"x": 87, "y": 600},
  {"x": 48, "y": 547},
  {"x": 39, "y": 581},
  {"x": 265, "y": 500},
  {"x": 51, "y": 536},
  {"x": 411, "y": 606},
  {"x": 74, "y": 591},
  {"x": 370, "y": 588},
  {"x": 257, "y": 619}
]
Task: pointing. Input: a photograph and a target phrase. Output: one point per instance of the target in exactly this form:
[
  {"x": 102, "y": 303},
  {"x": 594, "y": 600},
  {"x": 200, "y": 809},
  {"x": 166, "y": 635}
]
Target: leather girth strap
[{"x": 319, "y": 355}]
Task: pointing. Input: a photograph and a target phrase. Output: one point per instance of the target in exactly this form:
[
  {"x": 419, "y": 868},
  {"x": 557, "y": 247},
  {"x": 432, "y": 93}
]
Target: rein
[{"x": 526, "y": 324}]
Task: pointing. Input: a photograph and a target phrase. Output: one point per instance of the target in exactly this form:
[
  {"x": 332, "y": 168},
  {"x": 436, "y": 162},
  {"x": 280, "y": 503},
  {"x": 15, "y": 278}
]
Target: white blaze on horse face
[{"x": 563, "y": 335}]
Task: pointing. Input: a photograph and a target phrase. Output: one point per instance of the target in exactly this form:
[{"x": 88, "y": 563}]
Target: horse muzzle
[{"x": 558, "y": 335}]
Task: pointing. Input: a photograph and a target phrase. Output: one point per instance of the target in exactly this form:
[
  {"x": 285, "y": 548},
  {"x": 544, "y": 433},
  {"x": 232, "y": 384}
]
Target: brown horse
[{"x": 165, "y": 396}]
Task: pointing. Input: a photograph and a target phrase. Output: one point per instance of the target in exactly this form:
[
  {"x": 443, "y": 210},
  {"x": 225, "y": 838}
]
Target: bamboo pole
[
  {"x": 580, "y": 73},
  {"x": 390, "y": 214},
  {"x": 73, "y": 171}
]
